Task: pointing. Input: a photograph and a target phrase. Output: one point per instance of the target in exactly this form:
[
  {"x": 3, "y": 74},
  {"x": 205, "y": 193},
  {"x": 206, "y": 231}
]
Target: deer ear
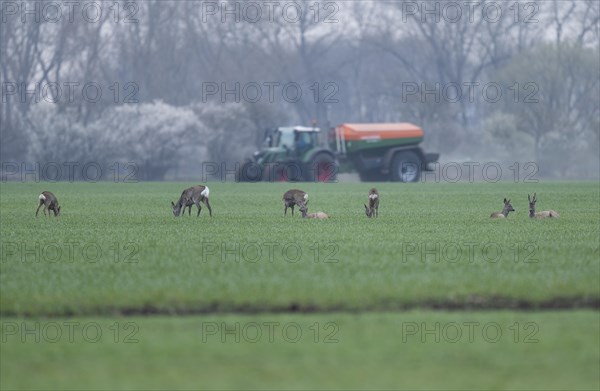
[
  {"x": 366, "y": 207},
  {"x": 508, "y": 201},
  {"x": 528, "y": 197},
  {"x": 505, "y": 201},
  {"x": 172, "y": 204}
]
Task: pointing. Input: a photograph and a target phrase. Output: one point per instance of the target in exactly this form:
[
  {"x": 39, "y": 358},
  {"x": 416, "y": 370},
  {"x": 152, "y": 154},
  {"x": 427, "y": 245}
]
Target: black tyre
[
  {"x": 323, "y": 168},
  {"x": 406, "y": 167},
  {"x": 249, "y": 172}
]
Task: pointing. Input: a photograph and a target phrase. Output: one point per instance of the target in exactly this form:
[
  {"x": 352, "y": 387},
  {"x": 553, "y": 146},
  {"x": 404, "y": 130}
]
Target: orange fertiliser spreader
[{"x": 399, "y": 130}]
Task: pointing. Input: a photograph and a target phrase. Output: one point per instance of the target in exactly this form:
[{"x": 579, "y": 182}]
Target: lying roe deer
[
  {"x": 507, "y": 208},
  {"x": 192, "y": 196},
  {"x": 293, "y": 197},
  {"x": 544, "y": 214},
  {"x": 306, "y": 215},
  {"x": 373, "y": 209},
  {"x": 50, "y": 203}
]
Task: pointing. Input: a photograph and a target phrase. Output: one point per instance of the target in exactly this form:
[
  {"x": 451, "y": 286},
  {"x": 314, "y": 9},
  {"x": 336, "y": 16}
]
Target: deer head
[
  {"x": 507, "y": 207},
  {"x": 532, "y": 202},
  {"x": 176, "y": 208},
  {"x": 303, "y": 208},
  {"x": 368, "y": 211}
]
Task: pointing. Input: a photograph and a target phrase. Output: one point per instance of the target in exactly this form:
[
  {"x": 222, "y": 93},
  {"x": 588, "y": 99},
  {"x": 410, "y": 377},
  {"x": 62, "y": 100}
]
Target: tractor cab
[{"x": 295, "y": 140}]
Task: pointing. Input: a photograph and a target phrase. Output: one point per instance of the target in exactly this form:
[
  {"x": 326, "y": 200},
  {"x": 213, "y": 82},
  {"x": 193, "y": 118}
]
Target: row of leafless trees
[{"x": 508, "y": 80}]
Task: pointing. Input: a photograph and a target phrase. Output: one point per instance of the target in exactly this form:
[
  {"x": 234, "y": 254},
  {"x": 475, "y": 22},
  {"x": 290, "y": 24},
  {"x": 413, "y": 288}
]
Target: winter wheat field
[{"x": 118, "y": 293}]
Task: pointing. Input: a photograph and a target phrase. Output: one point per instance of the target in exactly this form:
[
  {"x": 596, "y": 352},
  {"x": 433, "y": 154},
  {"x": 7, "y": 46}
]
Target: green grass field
[{"x": 117, "y": 254}]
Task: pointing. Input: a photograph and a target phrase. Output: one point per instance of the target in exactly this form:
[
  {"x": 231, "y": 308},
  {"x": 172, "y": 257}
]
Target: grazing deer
[
  {"x": 50, "y": 203},
  {"x": 192, "y": 196},
  {"x": 306, "y": 215},
  {"x": 544, "y": 214},
  {"x": 293, "y": 197},
  {"x": 373, "y": 209},
  {"x": 507, "y": 208}
]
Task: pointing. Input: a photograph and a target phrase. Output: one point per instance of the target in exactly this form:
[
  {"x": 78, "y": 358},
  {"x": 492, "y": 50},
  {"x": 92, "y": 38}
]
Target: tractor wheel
[
  {"x": 249, "y": 172},
  {"x": 323, "y": 168},
  {"x": 406, "y": 167}
]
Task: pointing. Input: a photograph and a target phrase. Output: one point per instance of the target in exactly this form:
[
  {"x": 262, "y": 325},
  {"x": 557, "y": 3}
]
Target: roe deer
[
  {"x": 306, "y": 215},
  {"x": 544, "y": 214},
  {"x": 373, "y": 209},
  {"x": 50, "y": 203},
  {"x": 507, "y": 208},
  {"x": 192, "y": 196},
  {"x": 293, "y": 197}
]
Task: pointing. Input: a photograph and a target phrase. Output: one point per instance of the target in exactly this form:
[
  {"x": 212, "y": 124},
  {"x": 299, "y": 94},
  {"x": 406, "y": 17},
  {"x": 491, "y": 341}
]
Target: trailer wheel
[
  {"x": 323, "y": 168},
  {"x": 406, "y": 167},
  {"x": 249, "y": 172}
]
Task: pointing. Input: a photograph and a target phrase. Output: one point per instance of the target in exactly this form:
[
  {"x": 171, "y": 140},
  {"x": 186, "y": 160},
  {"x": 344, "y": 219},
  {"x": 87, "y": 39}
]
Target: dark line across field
[{"x": 472, "y": 304}]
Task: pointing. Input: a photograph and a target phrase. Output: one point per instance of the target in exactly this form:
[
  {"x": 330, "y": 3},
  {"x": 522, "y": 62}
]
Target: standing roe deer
[
  {"x": 373, "y": 209},
  {"x": 293, "y": 197},
  {"x": 544, "y": 214},
  {"x": 50, "y": 203},
  {"x": 192, "y": 196},
  {"x": 306, "y": 215},
  {"x": 507, "y": 208}
]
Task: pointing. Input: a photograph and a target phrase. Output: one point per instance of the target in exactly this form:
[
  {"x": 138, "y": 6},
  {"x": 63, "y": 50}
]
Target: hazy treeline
[{"x": 168, "y": 84}]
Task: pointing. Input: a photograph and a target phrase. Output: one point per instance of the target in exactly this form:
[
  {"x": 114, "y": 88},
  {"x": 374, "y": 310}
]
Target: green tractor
[{"x": 293, "y": 153}]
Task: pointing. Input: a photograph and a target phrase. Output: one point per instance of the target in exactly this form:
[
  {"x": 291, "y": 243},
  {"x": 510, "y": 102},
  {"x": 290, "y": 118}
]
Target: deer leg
[
  {"x": 208, "y": 206},
  {"x": 292, "y": 210},
  {"x": 285, "y": 209},
  {"x": 199, "y": 208},
  {"x": 38, "y": 209},
  {"x": 190, "y": 210}
]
